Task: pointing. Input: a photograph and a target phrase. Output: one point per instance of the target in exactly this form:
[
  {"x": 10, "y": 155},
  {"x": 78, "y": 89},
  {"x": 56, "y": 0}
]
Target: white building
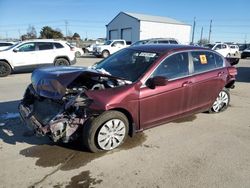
[{"x": 133, "y": 27}]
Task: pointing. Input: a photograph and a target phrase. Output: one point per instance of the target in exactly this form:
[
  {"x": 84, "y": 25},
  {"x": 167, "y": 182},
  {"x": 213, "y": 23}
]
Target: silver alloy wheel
[
  {"x": 221, "y": 101},
  {"x": 111, "y": 134}
]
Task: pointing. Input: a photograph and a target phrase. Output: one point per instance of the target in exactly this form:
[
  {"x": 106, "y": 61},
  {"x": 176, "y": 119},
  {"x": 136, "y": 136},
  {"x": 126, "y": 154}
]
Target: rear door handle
[
  {"x": 220, "y": 74},
  {"x": 185, "y": 84}
]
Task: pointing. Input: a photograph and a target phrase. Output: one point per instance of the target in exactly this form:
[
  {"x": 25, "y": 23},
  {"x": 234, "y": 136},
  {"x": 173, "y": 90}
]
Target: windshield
[
  {"x": 108, "y": 42},
  {"x": 13, "y": 46},
  {"x": 128, "y": 63}
]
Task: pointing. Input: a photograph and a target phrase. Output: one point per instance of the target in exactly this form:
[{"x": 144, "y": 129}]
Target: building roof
[{"x": 150, "y": 18}]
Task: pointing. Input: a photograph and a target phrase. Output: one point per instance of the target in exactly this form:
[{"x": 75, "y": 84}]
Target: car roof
[
  {"x": 164, "y": 48},
  {"x": 44, "y": 40}
]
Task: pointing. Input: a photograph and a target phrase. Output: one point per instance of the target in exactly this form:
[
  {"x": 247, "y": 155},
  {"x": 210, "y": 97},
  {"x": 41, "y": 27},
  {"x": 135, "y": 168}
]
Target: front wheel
[
  {"x": 222, "y": 102},
  {"x": 106, "y": 132},
  {"x": 5, "y": 69}
]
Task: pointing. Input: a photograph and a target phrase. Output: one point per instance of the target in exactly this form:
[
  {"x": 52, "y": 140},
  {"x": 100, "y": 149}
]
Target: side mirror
[
  {"x": 156, "y": 81},
  {"x": 15, "y": 50}
]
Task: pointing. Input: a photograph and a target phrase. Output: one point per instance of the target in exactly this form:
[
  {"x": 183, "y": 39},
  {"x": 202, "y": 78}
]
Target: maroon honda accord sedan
[{"x": 134, "y": 89}]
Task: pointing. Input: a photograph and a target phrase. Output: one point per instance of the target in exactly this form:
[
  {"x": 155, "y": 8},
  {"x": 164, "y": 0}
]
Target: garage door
[
  {"x": 113, "y": 34},
  {"x": 127, "y": 34}
]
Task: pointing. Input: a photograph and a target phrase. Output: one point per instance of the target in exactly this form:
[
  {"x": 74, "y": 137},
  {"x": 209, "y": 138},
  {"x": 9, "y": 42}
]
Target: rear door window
[
  {"x": 173, "y": 67},
  {"x": 45, "y": 45},
  {"x": 163, "y": 41},
  {"x": 203, "y": 61}
]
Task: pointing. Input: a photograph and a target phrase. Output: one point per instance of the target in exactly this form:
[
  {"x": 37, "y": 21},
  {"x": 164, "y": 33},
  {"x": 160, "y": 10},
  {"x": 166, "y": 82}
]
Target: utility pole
[
  {"x": 193, "y": 30},
  {"x": 66, "y": 28},
  {"x": 210, "y": 31},
  {"x": 201, "y": 34},
  {"x": 19, "y": 34}
]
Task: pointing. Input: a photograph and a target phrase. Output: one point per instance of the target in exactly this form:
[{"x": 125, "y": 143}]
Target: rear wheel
[
  {"x": 61, "y": 62},
  {"x": 5, "y": 69},
  {"x": 106, "y": 132},
  {"x": 78, "y": 54},
  {"x": 222, "y": 102}
]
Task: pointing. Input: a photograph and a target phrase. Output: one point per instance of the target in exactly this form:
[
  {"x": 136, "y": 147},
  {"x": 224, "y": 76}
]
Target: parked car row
[
  {"x": 245, "y": 53},
  {"x": 4, "y": 45},
  {"x": 224, "y": 49}
]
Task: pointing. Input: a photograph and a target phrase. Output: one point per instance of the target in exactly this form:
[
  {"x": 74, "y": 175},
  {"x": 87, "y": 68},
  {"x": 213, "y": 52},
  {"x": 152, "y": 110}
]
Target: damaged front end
[
  {"x": 59, "y": 119},
  {"x": 56, "y": 104}
]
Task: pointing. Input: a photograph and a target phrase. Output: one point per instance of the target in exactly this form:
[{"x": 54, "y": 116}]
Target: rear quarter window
[
  {"x": 58, "y": 45},
  {"x": 203, "y": 61},
  {"x": 173, "y": 42},
  {"x": 219, "y": 60}
]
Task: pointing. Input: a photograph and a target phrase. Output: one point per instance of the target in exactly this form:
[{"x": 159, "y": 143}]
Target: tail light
[{"x": 232, "y": 71}]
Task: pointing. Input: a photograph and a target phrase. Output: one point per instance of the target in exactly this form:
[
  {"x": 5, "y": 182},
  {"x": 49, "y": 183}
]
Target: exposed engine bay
[{"x": 55, "y": 104}]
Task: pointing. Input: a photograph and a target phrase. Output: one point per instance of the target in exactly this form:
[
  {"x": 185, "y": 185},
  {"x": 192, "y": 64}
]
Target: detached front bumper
[{"x": 30, "y": 120}]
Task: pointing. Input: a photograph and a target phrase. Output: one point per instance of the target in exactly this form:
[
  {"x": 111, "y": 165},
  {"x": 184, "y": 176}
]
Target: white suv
[{"x": 28, "y": 55}]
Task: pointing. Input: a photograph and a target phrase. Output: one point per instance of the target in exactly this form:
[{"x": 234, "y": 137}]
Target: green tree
[
  {"x": 49, "y": 33},
  {"x": 76, "y": 36}
]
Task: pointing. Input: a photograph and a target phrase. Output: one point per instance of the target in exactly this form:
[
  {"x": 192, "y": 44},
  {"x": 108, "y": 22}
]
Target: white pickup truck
[{"x": 109, "y": 47}]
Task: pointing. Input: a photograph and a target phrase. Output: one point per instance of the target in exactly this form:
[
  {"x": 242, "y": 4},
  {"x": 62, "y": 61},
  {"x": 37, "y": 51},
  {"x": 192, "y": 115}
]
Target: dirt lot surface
[{"x": 204, "y": 150}]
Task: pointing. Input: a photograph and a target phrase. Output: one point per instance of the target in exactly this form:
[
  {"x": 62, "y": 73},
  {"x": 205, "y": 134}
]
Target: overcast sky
[{"x": 231, "y": 19}]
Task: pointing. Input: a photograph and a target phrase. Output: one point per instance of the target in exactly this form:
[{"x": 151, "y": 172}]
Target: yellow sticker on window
[{"x": 203, "y": 59}]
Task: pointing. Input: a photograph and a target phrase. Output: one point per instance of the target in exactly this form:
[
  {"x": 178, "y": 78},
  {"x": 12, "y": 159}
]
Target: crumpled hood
[{"x": 51, "y": 82}]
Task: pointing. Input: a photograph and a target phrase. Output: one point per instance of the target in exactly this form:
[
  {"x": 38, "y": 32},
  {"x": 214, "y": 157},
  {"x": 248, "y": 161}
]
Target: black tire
[
  {"x": 92, "y": 130},
  {"x": 223, "y": 105},
  {"x": 61, "y": 62},
  {"x": 5, "y": 69},
  {"x": 105, "y": 54}
]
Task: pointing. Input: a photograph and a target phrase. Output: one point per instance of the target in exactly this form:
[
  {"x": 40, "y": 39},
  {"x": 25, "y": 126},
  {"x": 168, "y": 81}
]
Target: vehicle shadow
[
  {"x": 243, "y": 74},
  {"x": 12, "y": 130}
]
